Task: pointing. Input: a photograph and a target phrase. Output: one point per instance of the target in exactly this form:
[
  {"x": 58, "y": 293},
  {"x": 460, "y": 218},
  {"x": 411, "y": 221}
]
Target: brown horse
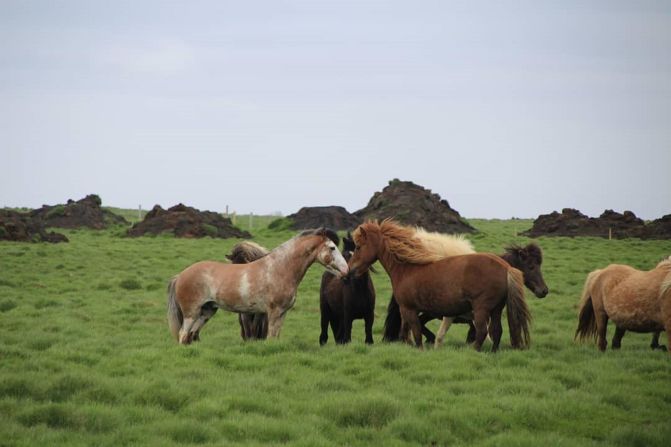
[
  {"x": 635, "y": 300},
  {"x": 424, "y": 281},
  {"x": 253, "y": 326},
  {"x": 267, "y": 285},
  {"x": 528, "y": 259}
]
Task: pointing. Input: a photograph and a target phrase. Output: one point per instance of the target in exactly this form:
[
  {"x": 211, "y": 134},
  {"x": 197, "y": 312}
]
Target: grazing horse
[
  {"x": 634, "y": 300},
  {"x": 253, "y": 326},
  {"x": 267, "y": 285},
  {"x": 528, "y": 259},
  {"x": 424, "y": 281},
  {"x": 342, "y": 302}
]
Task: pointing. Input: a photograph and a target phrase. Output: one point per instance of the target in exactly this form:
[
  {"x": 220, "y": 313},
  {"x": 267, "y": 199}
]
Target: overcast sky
[{"x": 503, "y": 108}]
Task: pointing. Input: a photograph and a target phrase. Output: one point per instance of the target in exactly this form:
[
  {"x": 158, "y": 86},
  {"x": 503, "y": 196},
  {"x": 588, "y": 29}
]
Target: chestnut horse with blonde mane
[
  {"x": 634, "y": 300},
  {"x": 425, "y": 281},
  {"x": 267, "y": 285}
]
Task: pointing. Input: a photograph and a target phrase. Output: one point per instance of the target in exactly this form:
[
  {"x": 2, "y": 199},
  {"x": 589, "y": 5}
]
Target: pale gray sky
[{"x": 503, "y": 108}]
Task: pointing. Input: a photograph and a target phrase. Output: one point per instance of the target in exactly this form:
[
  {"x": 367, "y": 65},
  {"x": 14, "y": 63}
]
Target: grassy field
[{"x": 86, "y": 359}]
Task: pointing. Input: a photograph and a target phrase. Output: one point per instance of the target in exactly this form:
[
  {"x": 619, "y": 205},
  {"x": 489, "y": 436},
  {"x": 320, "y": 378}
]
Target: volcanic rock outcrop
[
  {"x": 412, "y": 204},
  {"x": 185, "y": 221},
  {"x": 21, "y": 227},
  {"x": 86, "y": 212},
  {"x": 335, "y": 217}
]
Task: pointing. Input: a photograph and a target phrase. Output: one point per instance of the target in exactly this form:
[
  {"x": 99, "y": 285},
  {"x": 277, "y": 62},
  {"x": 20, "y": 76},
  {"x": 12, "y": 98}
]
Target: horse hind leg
[
  {"x": 654, "y": 344},
  {"x": 206, "y": 312},
  {"x": 444, "y": 326},
  {"x": 495, "y": 329},
  {"x": 480, "y": 318},
  {"x": 617, "y": 338},
  {"x": 601, "y": 327}
]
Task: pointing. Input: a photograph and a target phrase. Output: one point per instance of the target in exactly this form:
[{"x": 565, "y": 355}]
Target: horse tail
[
  {"x": 392, "y": 324},
  {"x": 519, "y": 316},
  {"x": 586, "y": 315},
  {"x": 175, "y": 316},
  {"x": 666, "y": 286}
]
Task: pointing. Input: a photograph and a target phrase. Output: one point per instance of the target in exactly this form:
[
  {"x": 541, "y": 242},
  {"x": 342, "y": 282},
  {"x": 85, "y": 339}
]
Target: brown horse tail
[
  {"x": 586, "y": 316},
  {"x": 175, "y": 316},
  {"x": 519, "y": 316}
]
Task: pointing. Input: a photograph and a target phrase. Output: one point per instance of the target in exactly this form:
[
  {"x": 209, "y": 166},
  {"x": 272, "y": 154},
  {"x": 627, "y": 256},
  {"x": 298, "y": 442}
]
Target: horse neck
[
  {"x": 510, "y": 259},
  {"x": 391, "y": 265},
  {"x": 291, "y": 259}
]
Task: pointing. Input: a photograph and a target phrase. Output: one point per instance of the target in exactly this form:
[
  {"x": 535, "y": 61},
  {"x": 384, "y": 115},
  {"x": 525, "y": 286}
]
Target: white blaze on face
[{"x": 337, "y": 264}]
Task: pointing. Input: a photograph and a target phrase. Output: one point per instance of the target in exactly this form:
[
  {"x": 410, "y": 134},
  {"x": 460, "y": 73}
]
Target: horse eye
[{"x": 332, "y": 248}]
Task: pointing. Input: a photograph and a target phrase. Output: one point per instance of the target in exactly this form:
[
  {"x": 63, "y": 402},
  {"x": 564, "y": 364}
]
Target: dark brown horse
[
  {"x": 342, "y": 302},
  {"x": 528, "y": 259},
  {"x": 634, "y": 300},
  {"x": 423, "y": 281},
  {"x": 253, "y": 326}
]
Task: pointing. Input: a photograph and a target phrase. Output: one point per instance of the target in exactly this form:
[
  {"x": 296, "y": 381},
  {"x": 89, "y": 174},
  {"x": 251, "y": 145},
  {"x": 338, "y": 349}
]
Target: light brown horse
[
  {"x": 635, "y": 300},
  {"x": 425, "y": 281},
  {"x": 267, "y": 285}
]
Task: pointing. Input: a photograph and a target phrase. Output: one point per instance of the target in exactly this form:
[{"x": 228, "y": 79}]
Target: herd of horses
[{"x": 432, "y": 276}]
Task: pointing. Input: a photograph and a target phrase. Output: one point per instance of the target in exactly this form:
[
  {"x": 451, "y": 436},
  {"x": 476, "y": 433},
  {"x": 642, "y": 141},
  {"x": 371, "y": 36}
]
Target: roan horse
[
  {"x": 342, "y": 302},
  {"x": 424, "y": 281},
  {"x": 252, "y": 326},
  {"x": 528, "y": 259},
  {"x": 635, "y": 300},
  {"x": 267, "y": 285}
]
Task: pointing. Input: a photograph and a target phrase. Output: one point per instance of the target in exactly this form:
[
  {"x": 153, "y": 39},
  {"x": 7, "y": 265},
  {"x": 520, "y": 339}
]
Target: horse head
[
  {"x": 328, "y": 254},
  {"x": 528, "y": 259}
]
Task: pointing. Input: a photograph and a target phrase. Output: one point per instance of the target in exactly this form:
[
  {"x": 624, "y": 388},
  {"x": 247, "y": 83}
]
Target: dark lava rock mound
[
  {"x": 15, "y": 226},
  {"x": 571, "y": 222},
  {"x": 86, "y": 212},
  {"x": 185, "y": 221},
  {"x": 335, "y": 217},
  {"x": 412, "y": 204}
]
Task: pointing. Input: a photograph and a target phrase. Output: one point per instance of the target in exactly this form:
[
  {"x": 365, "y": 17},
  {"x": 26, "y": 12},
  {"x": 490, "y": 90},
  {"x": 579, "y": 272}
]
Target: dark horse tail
[
  {"x": 175, "y": 316},
  {"x": 519, "y": 316},
  {"x": 586, "y": 316},
  {"x": 392, "y": 324}
]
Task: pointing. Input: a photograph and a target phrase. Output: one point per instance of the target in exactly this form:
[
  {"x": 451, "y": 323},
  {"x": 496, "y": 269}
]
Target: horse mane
[
  {"x": 666, "y": 283},
  {"x": 532, "y": 249},
  {"x": 246, "y": 251},
  {"x": 445, "y": 245},
  {"x": 400, "y": 241},
  {"x": 323, "y": 231}
]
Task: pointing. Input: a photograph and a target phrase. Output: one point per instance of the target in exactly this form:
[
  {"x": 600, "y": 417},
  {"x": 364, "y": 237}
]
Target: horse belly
[{"x": 631, "y": 312}]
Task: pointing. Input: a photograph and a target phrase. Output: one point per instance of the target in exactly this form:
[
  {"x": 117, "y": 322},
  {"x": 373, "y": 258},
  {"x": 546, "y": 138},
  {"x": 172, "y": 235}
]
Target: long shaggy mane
[
  {"x": 406, "y": 245},
  {"x": 445, "y": 245}
]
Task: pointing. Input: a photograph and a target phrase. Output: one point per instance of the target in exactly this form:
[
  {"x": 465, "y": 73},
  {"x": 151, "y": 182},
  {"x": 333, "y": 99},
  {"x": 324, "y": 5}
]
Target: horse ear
[{"x": 362, "y": 234}]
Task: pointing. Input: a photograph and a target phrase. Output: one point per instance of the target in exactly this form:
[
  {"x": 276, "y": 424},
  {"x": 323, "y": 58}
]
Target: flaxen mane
[
  {"x": 666, "y": 284},
  {"x": 402, "y": 242},
  {"x": 445, "y": 245}
]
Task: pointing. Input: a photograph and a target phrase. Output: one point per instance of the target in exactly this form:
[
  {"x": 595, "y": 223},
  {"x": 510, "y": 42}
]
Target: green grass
[{"x": 86, "y": 359}]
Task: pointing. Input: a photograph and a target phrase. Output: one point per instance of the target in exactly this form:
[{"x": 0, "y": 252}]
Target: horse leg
[
  {"x": 601, "y": 327},
  {"x": 346, "y": 323},
  {"x": 617, "y": 338},
  {"x": 423, "y": 319},
  {"x": 480, "y": 318},
  {"x": 206, "y": 312},
  {"x": 444, "y": 326},
  {"x": 411, "y": 321},
  {"x": 368, "y": 326},
  {"x": 470, "y": 337},
  {"x": 324, "y": 336},
  {"x": 275, "y": 320},
  {"x": 495, "y": 329},
  {"x": 654, "y": 344}
]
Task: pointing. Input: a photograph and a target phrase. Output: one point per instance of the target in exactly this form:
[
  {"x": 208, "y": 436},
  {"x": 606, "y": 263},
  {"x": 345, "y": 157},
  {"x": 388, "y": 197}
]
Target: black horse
[
  {"x": 527, "y": 259},
  {"x": 341, "y": 302}
]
